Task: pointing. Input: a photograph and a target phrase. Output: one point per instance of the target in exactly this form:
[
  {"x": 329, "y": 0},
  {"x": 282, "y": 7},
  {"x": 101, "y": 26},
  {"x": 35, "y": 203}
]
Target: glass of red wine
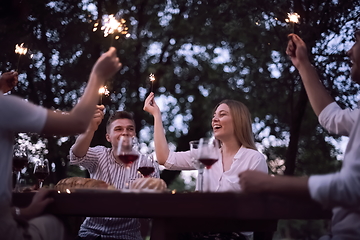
[
  {"x": 20, "y": 161},
  {"x": 146, "y": 165},
  {"x": 194, "y": 151},
  {"x": 209, "y": 153},
  {"x": 127, "y": 153},
  {"x": 41, "y": 171}
]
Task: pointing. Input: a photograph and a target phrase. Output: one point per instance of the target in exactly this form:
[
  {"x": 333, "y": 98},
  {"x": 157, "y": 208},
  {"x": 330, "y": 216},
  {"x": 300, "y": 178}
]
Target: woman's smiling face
[{"x": 222, "y": 122}]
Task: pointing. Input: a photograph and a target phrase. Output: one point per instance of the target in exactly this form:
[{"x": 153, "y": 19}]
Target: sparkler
[
  {"x": 21, "y": 50},
  {"x": 111, "y": 26},
  {"x": 152, "y": 79},
  {"x": 103, "y": 91},
  {"x": 293, "y": 18}
]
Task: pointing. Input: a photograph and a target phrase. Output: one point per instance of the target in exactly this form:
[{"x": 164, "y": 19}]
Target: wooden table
[{"x": 185, "y": 212}]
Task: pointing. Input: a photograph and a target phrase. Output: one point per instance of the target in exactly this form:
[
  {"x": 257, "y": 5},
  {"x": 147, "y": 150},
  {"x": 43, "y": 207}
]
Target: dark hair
[{"x": 119, "y": 115}]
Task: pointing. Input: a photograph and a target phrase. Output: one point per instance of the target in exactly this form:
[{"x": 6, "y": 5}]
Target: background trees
[{"x": 200, "y": 52}]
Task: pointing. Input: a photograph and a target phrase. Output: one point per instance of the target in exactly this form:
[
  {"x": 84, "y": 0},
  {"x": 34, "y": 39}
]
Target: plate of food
[
  {"x": 83, "y": 184},
  {"x": 148, "y": 185}
]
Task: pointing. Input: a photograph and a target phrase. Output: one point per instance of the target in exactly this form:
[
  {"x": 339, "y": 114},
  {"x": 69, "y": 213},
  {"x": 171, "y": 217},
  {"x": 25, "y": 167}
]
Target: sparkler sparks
[
  {"x": 21, "y": 50},
  {"x": 103, "y": 91},
  {"x": 111, "y": 25},
  {"x": 152, "y": 79},
  {"x": 293, "y": 18}
]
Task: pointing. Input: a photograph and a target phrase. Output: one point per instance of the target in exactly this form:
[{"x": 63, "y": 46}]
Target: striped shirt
[{"x": 100, "y": 162}]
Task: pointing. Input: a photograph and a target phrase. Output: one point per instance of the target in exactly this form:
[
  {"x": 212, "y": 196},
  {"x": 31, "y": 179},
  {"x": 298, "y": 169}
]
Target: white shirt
[
  {"x": 220, "y": 181},
  {"x": 341, "y": 190},
  {"x": 101, "y": 164},
  {"x": 17, "y": 115}
]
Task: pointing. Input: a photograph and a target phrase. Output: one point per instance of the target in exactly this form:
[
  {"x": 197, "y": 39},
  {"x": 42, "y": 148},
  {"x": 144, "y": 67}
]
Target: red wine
[
  {"x": 19, "y": 163},
  {"x": 146, "y": 171},
  {"x": 208, "y": 162},
  {"x": 41, "y": 175},
  {"x": 128, "y": 158}
]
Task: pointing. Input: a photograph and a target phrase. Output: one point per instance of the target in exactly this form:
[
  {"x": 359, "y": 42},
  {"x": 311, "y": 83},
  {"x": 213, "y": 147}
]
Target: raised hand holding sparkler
[{"x": 21, "y": 50}]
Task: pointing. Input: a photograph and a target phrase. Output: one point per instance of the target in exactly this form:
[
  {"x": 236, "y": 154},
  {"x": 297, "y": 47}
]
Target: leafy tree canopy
[{"x": 201, "y": 52}]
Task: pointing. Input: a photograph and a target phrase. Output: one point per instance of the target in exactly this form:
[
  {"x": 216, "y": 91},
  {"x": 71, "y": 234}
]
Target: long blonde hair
[{"x": 242, "y": 123}]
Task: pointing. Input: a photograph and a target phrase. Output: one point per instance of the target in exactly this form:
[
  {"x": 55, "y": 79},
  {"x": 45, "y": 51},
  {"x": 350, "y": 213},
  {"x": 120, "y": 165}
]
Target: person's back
[
  {"x": 341, "y": 190},
  {"x": 30, "y": 118},
  {"x": 345, "y": 218}
]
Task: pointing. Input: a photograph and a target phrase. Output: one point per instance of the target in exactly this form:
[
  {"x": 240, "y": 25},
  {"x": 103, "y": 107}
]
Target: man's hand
[
  {"x": 254, "y": 181},
  {"x": 107, "y": 65},
  {"x": 258, "y": 182},
  {"x": 97, "y": 119},
  {"x": 297, "y": 51},
  {"x": 8, "y": 81}
]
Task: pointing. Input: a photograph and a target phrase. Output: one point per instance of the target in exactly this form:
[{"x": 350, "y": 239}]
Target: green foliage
[
  {"x": 179, "y": 185},
  {"x": 181, "y": 42},
  {"x": 184, "y": 43},
  {"x": 182, "y": 56}
]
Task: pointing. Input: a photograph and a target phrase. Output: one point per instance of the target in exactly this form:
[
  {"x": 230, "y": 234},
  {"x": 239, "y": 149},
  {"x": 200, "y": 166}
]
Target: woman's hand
[{"x": 150, "y": 105}]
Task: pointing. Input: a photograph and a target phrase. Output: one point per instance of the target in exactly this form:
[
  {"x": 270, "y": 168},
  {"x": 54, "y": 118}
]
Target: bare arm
[
  {"x": 80, "y": 116},
  {"x": 318, "y": 96},
  {"x": 83, "y": 141},
  {"x": 258, "y": 182},
  {"x": 161, "y": 145}
]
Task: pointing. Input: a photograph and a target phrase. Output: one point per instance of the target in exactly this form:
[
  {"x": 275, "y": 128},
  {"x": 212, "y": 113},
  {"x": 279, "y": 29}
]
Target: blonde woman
[{"x": 231, "y": 124}]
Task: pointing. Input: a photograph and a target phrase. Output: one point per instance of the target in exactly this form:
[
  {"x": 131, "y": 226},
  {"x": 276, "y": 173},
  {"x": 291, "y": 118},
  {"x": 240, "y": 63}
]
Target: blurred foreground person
[
  {"x": 339, "y": 191},
  {"x": 18, "y": 115}
]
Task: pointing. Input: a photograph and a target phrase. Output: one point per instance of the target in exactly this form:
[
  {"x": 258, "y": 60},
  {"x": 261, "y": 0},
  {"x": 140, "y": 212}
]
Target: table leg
[
  {"x": 263, "y": 235},
  {"x": 160, "y": 230}
]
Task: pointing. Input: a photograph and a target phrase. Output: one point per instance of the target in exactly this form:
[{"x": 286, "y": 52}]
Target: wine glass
[
  {"x": 209, "y": 153},
  {"x": 127, "y": 153},
  {"x": 20, "y": 161},
  {"x": 194, "y": 145},
  {"x": 41, "y": 171},
  {"x": 146, "y": 165}
]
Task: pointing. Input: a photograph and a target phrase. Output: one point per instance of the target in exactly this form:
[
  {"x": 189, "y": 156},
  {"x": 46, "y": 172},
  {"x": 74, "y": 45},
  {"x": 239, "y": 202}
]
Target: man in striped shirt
[{"x": 102, "y": 164}]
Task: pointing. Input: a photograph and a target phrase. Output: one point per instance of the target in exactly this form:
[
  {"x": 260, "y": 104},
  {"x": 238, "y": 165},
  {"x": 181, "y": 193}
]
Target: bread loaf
[
  {"x": 149, "y": 184},
  {"x": 80, "y": 182}
]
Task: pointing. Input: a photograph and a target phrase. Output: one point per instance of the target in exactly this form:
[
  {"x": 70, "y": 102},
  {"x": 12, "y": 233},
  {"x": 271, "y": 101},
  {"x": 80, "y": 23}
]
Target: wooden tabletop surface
[{"x": 110, "y": 203}]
